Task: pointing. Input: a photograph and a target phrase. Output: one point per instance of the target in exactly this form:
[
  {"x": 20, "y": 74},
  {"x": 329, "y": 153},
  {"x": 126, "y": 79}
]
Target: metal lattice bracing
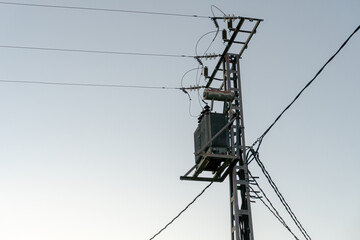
[{"x": 240, "y": 210}]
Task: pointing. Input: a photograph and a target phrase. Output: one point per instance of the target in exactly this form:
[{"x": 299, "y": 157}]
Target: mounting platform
[{"x": 219, "y": 165}]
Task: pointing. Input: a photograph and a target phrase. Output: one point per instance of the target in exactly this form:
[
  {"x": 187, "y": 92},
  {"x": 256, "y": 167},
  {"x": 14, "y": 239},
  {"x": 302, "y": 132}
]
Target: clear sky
[{"x": 104, "y": 163}]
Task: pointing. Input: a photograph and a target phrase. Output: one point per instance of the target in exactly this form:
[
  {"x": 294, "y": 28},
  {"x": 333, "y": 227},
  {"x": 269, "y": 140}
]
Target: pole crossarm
[{"x": 231, "y": 41}]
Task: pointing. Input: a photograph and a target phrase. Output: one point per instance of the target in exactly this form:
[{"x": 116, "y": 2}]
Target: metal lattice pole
[
  {"x": 240, "y": 210},
  {"x": 231, "y": 161}
]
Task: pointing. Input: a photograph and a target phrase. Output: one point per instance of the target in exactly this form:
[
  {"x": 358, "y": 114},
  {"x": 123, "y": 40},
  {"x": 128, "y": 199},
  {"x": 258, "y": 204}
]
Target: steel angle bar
[
  {"x": 218, "y": 176},
  {"x": 201, "y": 179},
  {"x": 188, "y": 172},
  {"x": 238, "y": 17},
  {"x": 229, "y": 166},
  {"x": 226, "y": 50},
  {"x": 249, "y": 38}
]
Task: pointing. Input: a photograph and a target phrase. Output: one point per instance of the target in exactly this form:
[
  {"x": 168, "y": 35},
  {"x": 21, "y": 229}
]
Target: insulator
[
  {"x": 224, "y": 34},
  {"x": 206, "y": 71},
  {"x": 230, "y": 26}
]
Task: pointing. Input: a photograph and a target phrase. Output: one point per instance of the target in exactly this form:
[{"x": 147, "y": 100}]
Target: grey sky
[{"x": 104, "y": 163}]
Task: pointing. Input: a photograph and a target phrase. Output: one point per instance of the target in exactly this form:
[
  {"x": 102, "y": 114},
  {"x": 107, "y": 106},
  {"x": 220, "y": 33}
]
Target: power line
[
  {"x": 99, "y": 51},
  {"x": 103, "y": 9},
  {"x": 259, "y": 140},
  {"x": 182, "y": 211},
  {"x": 255, "y": 155},
  {"x": 270, "y": 207},
  {"x": 100, "y": 85},
  {"x": 280, "y": 196},
  {"x": 197, "y": 43},
  {"x": 274, "y": 212},
  {"x": 212, "y": 11}
]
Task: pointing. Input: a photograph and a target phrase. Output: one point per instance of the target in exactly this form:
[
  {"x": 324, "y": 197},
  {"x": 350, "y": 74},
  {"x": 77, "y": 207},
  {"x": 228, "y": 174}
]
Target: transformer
[{"x": 209, "y": 125}]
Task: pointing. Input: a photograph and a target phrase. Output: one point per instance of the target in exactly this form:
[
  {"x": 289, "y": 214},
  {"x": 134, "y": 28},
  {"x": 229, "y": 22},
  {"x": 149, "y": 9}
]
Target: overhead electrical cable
[
  {"x": 204, "y": 55},
  {"x": 259, "y": 140},
  {"x": 255, "y": 155},
  {"x": 100, "y": 51},
  {"x": 270, "y": 206},
  {"x": 198, "y": 41},
  {"x": 214, "y": 6},
  {"x": 103, "y": 9},
  {"x": 182, "y": 211},
  {"x": 187, "y": 72},
  {"x": 280, "y": 196},
  {"x": 186, "y": 92},
  {"x": 99, "y": 85},
  {"x": 274, "y": 212}
]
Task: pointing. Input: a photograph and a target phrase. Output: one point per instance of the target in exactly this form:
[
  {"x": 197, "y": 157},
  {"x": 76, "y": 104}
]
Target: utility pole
[
  {"x": 220, "y": 148},
  {"x": 240, "y": 210}
]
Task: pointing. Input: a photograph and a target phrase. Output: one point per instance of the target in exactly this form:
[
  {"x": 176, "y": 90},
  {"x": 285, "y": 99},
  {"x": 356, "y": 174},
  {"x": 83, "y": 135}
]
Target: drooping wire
[
  {"x": 190, "y": 114},
  {"x": 216, "y": 24},
  {"x": 181, "y": 83},
  {"x": 98, "y": 51},
  {"x": 200, "y": 98},
  {"x": 280, "y": 196},
  {"x": 187, "y": 72},
  {"x": 103, "y": 9},
  {"x": 260, "y": 139},
  {"x": 207, "y": 49},
  {"x": 212, "y": 11},
  {"x": 200, "y": 67},
  {"x": 182, "y": 211},
  {"x": 198, "y": 41}
]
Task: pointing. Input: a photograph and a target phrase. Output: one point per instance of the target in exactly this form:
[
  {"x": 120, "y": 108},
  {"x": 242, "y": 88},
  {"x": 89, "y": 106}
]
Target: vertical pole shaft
[{"x": 240, "y": 210}]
